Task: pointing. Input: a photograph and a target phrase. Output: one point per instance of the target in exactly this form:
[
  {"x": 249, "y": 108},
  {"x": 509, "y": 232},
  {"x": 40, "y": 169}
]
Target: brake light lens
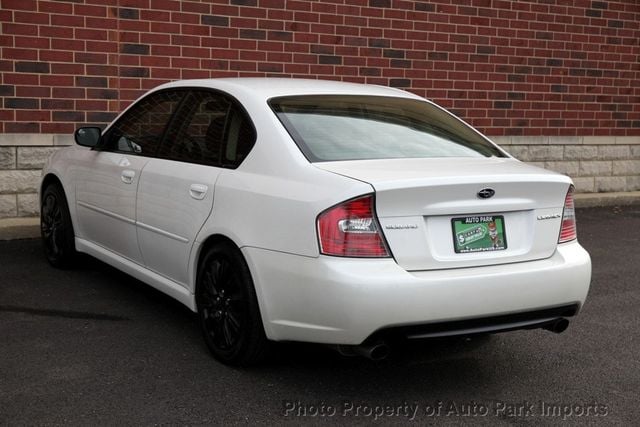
[
  {"x": 568, "y": 229},
  {"x": 351, "y": 229}
]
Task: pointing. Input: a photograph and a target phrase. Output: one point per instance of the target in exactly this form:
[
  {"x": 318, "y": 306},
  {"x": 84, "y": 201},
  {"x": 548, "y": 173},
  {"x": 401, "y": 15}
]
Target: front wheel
[
  {"x": 56, "y": 227},
  {"x": 228, "y": 309}
]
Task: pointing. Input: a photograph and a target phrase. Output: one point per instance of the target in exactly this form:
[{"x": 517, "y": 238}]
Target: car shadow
[{"x": 287, "y": 354}]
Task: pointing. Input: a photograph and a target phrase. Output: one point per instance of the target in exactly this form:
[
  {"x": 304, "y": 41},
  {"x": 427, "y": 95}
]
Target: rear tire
[
  {"x": 228, "y": 310},
  {"x": 56, "y": 228}
]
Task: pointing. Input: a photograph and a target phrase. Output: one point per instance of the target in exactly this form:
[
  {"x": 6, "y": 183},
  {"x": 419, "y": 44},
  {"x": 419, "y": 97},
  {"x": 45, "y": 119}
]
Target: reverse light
[
  {"x": 351, "y": 229},
  {"x": 568, "y": 229}
]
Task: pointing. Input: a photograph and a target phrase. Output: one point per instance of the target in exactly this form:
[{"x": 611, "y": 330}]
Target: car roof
[{"x": 270, "y": 87}]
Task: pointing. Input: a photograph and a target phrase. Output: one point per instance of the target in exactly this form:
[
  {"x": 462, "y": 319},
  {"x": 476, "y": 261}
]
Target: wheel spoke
[
  {"x": 54, "y": 241},
  {"x": 209, "y": 291},
  {"x": 47, "y": 206},
  {"x": 215, "y": 275},
  {"x": 233, "y": 322},
  {"x": 52, "y": 223},
  {"x": 218, "y": 333},
  {"x": 57, "y": 216},
  {"x": 228, "y": 337}
]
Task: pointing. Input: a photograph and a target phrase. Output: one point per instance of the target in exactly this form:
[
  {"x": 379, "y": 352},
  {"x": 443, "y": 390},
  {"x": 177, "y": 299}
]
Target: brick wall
[
  {"x": 542, "y": 76},
  {"x": 509, "y": 67}
]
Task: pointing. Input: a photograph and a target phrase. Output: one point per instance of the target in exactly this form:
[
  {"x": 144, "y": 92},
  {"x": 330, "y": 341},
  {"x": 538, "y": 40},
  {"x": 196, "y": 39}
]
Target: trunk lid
[{"x": 417, "y": 201}]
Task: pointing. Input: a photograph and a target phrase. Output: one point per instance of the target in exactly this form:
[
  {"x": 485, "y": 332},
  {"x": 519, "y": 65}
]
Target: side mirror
[{"x": 88, "y": 136}]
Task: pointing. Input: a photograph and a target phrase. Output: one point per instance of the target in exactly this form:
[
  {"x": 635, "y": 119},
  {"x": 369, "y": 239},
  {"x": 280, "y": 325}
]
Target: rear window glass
[{"x": 341, "y": 127}]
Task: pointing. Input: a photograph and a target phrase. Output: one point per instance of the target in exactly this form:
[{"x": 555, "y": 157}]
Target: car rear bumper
[{"x": 344, "y": 301}]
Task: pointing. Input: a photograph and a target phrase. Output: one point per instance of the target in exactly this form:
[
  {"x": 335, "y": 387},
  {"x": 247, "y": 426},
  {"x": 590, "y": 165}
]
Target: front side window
[
  {"x": 209, "y": 129},
  {"x": 348, "y": 127},
  {"x": 141, "y": 129}
]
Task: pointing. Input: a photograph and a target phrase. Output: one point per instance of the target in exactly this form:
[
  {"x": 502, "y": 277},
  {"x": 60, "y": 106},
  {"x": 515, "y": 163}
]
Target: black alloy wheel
[
  {"x": 56, "y": 228},
  {"x": 227, "y": 307}
]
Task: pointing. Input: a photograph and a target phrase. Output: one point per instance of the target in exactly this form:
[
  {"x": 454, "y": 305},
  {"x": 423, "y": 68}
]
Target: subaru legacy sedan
[{"x": 317, "y": 211}]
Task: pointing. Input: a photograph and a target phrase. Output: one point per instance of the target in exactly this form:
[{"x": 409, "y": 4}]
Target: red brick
[
  {"x": 20, "y": 54},
  {"x": 185, "y": 18},
  {"x": 67, "y": 20},
  {"x": 59, "y": 80},
  {"x": 67, "y": 128},
  {"x": 163, "y": 50},
  {"x": 20, "y": 79},
  {"x": 72, "y": 93},
  {"x": 195, "y": 52},
  {"x": 56, "y": 32},
  {"x": 246, "y": 55},
  {"x": 165, "y": 73},
  {"x": 32, "y": 115},
  {"x": 165, "y": 27},
  {"x": 242, "y": 66},
  {"x": 67, "y": 68},
  {"x": 165, "y": 4},
  {"x": 196, "y": 7},
  {"x": 55, "y": 55},
  {"x": 32, "y": 42},
  {"x": 19, "y": 4},
  {"x": 66, "y": 44},
  {"x": 132, "y": 25}
]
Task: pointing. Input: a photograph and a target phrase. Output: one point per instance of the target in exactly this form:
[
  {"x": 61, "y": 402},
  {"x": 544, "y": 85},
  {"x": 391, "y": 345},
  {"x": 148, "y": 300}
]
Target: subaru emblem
[{"x": 486, "y": 193}]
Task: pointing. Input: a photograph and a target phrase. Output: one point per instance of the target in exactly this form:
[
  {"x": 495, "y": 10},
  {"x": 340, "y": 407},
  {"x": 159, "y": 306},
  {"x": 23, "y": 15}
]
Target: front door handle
[
  {"x": 127, "y": 176},
  {"x": 198, "y": 191}
]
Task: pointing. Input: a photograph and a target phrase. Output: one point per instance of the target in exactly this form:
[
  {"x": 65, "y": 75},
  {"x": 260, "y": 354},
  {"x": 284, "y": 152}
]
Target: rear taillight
[
  {"x": 568, "y": 229},
  {"x": 351, "y": 229}
]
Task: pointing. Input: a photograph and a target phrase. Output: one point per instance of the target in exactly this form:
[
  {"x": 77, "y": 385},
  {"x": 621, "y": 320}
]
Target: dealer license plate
[{"x": 481, "y": 233}]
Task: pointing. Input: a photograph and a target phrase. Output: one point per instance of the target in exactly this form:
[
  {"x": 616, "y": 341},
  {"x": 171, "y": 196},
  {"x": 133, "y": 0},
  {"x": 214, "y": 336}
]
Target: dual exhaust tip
[{"x": 380, "y": 350}]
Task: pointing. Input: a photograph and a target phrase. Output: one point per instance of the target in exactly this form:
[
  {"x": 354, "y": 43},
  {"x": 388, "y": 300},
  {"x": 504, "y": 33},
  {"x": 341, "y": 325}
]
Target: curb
[
  {"x": 19, "y": 228},
  {"x": 29, "y": 228},
  {"x": 592, "y": 200}
]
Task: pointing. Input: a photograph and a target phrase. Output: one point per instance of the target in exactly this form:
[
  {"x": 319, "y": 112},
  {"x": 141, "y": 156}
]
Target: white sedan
[{"x": 326, "y": 212}]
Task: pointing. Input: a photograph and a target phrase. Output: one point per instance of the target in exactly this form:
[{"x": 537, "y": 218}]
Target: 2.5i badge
[{"x": 480, "y": 233}]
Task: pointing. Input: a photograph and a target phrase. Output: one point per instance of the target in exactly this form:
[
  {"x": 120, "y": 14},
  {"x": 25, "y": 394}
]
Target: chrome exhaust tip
[{"x": 376, "y": 351}]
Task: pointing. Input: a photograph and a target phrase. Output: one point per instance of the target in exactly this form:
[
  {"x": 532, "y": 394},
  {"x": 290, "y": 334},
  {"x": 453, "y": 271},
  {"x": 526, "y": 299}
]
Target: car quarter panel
[
  {"x": 272, "y": 199},
  {"x": 277, "y": 213}
]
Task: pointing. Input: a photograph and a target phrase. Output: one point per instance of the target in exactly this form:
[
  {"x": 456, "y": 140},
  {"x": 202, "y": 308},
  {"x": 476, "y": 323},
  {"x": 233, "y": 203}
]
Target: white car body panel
[
  {"x": 268, "y": 208},
  {"x": 276, "y": 213},
  {"x": 174, "y": 201},
  {"x": 342, "y": 301},
  {"x": 106, "y": 187},
  {"x": 159, "y": 282}
]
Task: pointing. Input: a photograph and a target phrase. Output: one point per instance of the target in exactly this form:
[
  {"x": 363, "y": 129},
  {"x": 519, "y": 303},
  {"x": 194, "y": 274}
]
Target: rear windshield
[{"x": 346, "y": 127}]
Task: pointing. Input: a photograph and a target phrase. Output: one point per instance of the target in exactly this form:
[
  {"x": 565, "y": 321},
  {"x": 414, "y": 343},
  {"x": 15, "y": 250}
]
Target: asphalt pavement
[{"x": 92, "y": 346}]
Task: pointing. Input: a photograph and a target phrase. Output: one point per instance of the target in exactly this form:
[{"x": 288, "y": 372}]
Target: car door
[
  {"x": 108, "y": 178},
  {"x": 208, "y": 135}
]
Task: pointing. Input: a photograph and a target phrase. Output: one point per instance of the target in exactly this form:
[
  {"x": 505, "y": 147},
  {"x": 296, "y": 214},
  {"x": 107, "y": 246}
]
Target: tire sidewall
[
  {"x": 67, "y": 244},
  {"x": 253, "y": 335}
]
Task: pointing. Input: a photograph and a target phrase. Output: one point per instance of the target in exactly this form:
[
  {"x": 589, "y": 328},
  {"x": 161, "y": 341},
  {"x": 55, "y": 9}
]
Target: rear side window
[
  {"x": 340, "y": 127},
  {"x": 209, "y": 129},
  {"x": 141, "y": 129}
]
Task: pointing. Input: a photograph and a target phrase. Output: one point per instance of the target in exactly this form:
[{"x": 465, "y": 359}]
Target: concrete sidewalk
[{"x": 29, "y": 228}]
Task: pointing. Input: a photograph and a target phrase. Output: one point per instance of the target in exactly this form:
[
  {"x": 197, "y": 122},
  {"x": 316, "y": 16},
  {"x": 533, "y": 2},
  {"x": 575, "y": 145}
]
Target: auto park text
[{"x": 415, "y": 410}]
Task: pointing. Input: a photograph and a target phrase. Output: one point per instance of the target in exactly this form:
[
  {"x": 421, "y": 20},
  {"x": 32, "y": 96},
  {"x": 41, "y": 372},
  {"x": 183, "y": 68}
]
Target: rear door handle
[
  {"x": 198, "y": 191},
  {"x": 127, "y": 176}
]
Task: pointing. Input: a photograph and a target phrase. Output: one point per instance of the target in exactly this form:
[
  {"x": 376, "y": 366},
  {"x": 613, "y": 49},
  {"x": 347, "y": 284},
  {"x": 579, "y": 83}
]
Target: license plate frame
[{"x": 474, "y": 233}]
